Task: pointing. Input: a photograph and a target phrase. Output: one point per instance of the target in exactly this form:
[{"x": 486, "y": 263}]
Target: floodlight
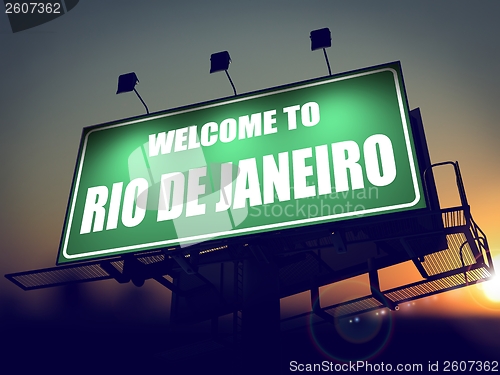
[
  {"x": 126, "y": 83},
  {"x": 321, "y": 39},
  {"x": 220, "y": 62}
]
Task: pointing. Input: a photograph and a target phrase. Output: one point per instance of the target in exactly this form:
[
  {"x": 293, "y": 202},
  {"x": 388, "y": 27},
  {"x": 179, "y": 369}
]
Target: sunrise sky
[{"x": 61, "y": 76}]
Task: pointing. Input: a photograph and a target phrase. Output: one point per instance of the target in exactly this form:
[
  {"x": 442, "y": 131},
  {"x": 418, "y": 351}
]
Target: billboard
[{"x": 330, "y": 149}]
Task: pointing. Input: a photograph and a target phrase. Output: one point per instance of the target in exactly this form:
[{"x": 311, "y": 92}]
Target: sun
[{"x": 491, "y": 288}]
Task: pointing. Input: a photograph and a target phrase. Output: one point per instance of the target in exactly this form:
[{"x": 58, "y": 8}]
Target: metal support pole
[
  {"x": 145, "y": 106},
  {"x": 231, "y": 81},
  {"x": 261, "y": 317},
  {"x": 327, "y": 62}
]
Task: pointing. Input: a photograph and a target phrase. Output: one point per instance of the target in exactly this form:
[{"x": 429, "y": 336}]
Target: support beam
[
  {"x": 375, "y": 286},
  {"x": 416, "y": 261},
  {"x": 261, "y": 317}
]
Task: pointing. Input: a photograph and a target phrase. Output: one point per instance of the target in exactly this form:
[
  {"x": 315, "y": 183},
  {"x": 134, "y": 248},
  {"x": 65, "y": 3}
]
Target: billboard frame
[{"x": 413, "y": 126}]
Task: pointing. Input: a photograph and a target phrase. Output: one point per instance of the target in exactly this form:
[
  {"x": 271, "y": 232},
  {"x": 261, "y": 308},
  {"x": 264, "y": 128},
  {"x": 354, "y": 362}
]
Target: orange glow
[{"x": 492, "y": 289}]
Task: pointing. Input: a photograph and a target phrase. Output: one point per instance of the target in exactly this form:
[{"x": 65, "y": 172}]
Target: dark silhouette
[
  {"x": 126, "y": 83},
  {"x": 220, "y": 62},
  {"x": 322, "y": 39}
]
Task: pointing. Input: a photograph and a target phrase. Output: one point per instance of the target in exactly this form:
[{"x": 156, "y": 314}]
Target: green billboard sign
[{"x": 330, "y": 149}]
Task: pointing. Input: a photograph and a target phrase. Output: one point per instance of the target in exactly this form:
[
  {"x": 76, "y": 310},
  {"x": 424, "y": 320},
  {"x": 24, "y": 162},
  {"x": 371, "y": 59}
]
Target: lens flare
[
  {"x": 492, "y": 289},
  {"x": 358, "y": 337},
  {"x": 487, "y": 293}
]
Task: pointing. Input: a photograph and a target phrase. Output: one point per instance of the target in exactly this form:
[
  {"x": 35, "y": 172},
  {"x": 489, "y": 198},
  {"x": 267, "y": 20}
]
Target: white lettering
[
  {"x": 276, "y": 177},
  {"x": 345, "y": 157},
  {"x": 300, "y": 173},
  {"x": 180, "y": 138},
  {"x": 193, "y": 138},
  {"x": 171, "y": 203},
  {"x": 250, "y": 126},
  {"x": 269, "y": 120},
  {"x": 292, "y": 116},
  {"x": 136, "y": 195},
  {"x": 227, "y": 131},
  {"x": 226, "y": 187},
  {"x": 388, "y": 173},
  {"x": 194, "y": 190},
  {"x": 323, "y": 170},
  {"x": 206, "y": 130},
  {"x": 310, "y": 114},
  {"x": 247, "y": 176},
  {"x": 94, "y": 204},
  {"x": 161, "y": 141},
  {"x": 114, "y": 205}
]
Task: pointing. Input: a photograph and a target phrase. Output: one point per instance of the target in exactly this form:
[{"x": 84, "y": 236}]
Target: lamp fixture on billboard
[
  {"x": 322, "y": 38},
  {"x": 220, "y": 62},
  {"x": 126, "y": 83}
]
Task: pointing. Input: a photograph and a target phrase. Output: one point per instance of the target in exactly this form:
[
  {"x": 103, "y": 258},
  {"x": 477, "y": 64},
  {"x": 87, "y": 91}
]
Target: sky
[{"x": 61, "y": 76}]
